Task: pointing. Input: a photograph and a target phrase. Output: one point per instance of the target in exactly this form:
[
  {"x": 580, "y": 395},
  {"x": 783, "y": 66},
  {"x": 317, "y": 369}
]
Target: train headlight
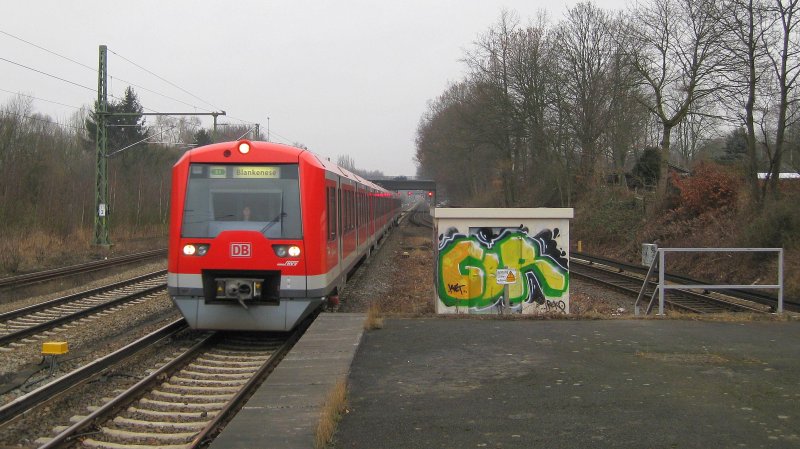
[
  {"x": 192, "y": 249},
  {"x": 286, "y": 250},
  {"x": 244, "y": 147}
]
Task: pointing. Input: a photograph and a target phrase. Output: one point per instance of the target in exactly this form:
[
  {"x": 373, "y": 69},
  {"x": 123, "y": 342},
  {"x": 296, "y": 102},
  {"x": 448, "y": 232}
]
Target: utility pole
[
  {"x": 214, "y": 132},
  {"x": 258, "y": 126},
  {"x": 101, "y": 161},
  {"x": 268, "y": 129}
]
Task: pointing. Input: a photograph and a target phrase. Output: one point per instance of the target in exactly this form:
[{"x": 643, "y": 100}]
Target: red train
[{"x": 261, "y": 234}]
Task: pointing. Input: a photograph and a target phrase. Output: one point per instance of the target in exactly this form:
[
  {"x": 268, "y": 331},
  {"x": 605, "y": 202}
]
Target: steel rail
[
  {"x": 100, "y": 415},
  {"x": 46, "y": 275},
  {"x": 128, "y": 395},
  {"x": 43, "y": 394},
  {"x": 686, "y": 300},
  {"x": 761, "y": 298},
  {"x": 80, "y": 295},
  {"x": 244, "y": 393},
  {"x": 14, "y": 336}
]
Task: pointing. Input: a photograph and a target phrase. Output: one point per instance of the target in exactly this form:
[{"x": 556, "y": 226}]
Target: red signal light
[{"x": 430, "y": 194}]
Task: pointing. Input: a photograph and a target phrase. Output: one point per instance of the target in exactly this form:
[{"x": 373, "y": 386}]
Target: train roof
[{"x": 228, "y": 152}]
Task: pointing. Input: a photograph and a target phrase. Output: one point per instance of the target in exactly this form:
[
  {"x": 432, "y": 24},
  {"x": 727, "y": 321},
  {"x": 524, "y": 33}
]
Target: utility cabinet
[{"x": 530, "y": 247}]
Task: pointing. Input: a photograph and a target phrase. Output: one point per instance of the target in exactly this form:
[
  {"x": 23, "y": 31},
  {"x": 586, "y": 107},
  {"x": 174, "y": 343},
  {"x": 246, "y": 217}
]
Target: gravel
[
  {"x": 399, "y": 280},
  {"x": 22, "y": 368}
]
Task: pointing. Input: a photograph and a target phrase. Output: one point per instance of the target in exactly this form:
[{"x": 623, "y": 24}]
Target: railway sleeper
[
  {"x": 228, "y": 362},
  {"x": 221, "y": 368},
  {"x": 199, "y": 388},
  {"x": 145, "y": 412},
  {"x": 104, "y": 445},
  {"x": 210, "y": 376},
  {"x": 132, "y": 423},
  {"x": 178, "y": 379},
  {"x": 181, "y": 407},
  {"x": 191, "y": 397},
  {"x": 145, "y": 437}
]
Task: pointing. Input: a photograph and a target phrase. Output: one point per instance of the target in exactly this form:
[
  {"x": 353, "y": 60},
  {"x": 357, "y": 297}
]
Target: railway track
[
  {"x": 28, "y": 321},
  {"x": 48, "y": 275},
  {"x": 180, "y": 404},
  {"x": 45, "y": 393},
  {"x": 745, "y": 295},
  {"x": 420, "y": 216},
  {"x": 613, "y": 275}
]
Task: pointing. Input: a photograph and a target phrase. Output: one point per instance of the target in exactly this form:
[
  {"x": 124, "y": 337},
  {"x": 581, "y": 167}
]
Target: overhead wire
[
  {"x": 48, "y": 51},
  {"x": 37, "y": 98},
  {"x": 47, "y": 74},
  {"x": 118, "y": 78},
  {"x": 162, "y": 95},
  {"x": 166, "y": 81}
]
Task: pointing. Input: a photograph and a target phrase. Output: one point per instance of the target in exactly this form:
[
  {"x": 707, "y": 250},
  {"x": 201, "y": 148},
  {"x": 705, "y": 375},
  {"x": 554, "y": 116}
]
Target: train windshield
[{"x": 263, "y": 198}]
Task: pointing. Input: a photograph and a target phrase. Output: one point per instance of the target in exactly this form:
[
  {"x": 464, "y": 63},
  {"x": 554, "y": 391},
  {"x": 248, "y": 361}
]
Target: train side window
[
  {"x": 340, "y": 204},
  {"x": 349, "y": 210},
  {"x": 346, "y": 210},
  {"x": 351, "y": 199},
  {"x": 331, "y": 194}
]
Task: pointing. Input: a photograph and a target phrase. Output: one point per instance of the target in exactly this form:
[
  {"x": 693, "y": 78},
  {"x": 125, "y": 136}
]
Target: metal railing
[{"x": 660, "y": 261}]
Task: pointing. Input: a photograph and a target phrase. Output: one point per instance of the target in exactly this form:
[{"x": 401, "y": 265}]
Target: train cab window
[{"x": 262, "y": 198}]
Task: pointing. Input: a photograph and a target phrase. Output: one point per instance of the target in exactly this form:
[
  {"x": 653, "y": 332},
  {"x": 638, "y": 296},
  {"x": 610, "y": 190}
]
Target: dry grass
[
  {"x": 582, "y": 304},
  {"x": 31, "y": 251},
  {"x": 374, "y": 319},
  {"x": 335, "y": 405},
  {"x": 22, "y": 252}
]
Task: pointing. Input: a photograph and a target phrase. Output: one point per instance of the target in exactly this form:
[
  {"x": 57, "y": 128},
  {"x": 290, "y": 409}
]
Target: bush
[
  {"x": 608, "y": 216},
  {"x": 777, "y": 226},
  {"x": 709, "y": 188}
]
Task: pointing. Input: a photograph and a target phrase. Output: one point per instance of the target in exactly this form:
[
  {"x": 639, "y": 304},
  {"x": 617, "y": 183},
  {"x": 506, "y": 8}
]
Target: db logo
[{"x": 241, "y": 250}]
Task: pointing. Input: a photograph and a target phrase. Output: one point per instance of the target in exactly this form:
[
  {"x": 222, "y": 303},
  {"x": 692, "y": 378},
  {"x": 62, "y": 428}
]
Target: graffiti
[
  {"x": 467, "y": 265},
  {"x": 455, "y": 288},
  {"x": 556, "y": 306}
]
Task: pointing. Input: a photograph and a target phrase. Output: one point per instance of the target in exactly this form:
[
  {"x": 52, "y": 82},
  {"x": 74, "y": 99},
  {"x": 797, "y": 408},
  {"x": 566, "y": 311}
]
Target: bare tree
[
  {"x": 677, "y": 56},
  {"x": 745, "y": 25},
  {"x": 695, "y": 129},
  {"x": 785, "y": 59},
  {"x": 586, "y": 45},
  {"x": 346, "y": 161},
  {"x": 491, "y": 63}
]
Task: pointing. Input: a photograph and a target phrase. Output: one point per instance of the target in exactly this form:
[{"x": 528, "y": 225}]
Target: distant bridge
[{"x": 403, "y": 183}]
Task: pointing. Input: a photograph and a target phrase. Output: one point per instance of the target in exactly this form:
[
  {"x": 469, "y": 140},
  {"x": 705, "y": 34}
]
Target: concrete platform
[
  {"x": 285, "y": 411},
  {"x": 466, "y": 383}
]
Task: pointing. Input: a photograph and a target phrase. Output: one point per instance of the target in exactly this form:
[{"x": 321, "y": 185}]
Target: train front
[{"x": 236, "y": 253}]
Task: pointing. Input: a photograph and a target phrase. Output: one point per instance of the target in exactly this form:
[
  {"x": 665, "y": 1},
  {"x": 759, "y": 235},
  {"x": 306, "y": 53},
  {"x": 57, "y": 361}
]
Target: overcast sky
[{"x": 341, "y": 77}]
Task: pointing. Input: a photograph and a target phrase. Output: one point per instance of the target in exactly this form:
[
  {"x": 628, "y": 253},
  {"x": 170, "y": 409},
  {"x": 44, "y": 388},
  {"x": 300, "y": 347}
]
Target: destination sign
[{"x": 256, "y": 171}]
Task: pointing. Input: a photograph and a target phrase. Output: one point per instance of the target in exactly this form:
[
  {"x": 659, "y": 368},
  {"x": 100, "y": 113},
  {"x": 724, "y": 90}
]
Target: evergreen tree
[
  {"x": 122, "y": 131},
  {"x": 202, "y": 137},
  {"x": 647, "y": 170},
  {"x": 735, "y": 147}
]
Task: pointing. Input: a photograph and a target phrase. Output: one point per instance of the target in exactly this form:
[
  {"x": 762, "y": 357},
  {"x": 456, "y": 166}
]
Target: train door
[
  {"x": 347, "y": 213},
  {"x": 332, "y": 250},
  {"x": 372, "y": 214},
  {"x": 362, "y": 217}
]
